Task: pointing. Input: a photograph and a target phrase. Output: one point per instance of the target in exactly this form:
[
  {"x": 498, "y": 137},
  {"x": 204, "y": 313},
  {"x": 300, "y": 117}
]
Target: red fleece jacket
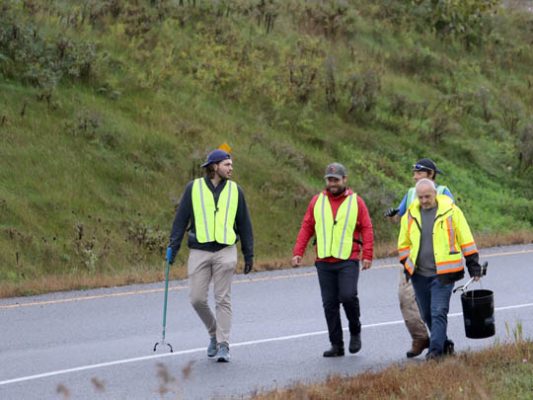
[{"x": 363, "y": 228}]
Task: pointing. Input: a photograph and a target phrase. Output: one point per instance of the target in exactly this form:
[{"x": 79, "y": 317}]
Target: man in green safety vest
[
  {"x": 423, "y": 169},
  {"x": 214, "y": 213},
  {"x": 340, "y": 222}
]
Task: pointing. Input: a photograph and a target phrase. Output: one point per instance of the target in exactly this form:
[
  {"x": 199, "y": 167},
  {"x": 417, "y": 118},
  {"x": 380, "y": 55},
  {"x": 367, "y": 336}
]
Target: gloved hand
[
  {"x": 475, "y": 270},
  {"x": 391, "y": 212},
  {"x": 171, "y": 255},
  {"x": 248, "y": 265}
]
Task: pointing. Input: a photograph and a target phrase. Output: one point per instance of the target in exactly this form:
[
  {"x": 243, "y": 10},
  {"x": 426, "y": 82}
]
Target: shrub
[
  {"x": 43, "y": 60},
  {"x": 464, "y": 19},
  {"x": 525, "y": 147},
  {"x": 363, "y": 89},
  {"x": 303, "y": 66}
]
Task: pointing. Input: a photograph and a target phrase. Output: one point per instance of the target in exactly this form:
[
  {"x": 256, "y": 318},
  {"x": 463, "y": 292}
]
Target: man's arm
[
  {"x": 467, "y": 243},
  {"x": 243, "y": 223},
  {"x": 307, "y": 230},
  {"x": 464, "y": 235},
  {"x": 402, "y": 208},
  {"x": 404, "y": 241},
  {"x": 181, "y": 220},
  {"x": 364, "y": 226}
]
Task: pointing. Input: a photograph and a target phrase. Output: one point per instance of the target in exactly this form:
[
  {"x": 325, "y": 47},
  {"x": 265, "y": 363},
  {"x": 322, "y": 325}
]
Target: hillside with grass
[{"x": 108, "y": 107}]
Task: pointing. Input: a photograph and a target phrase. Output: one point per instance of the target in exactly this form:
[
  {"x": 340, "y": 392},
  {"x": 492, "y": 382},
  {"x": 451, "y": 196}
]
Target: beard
[
  {"x": 222, "y": 175},
  {"x": 337, "y": 190}
]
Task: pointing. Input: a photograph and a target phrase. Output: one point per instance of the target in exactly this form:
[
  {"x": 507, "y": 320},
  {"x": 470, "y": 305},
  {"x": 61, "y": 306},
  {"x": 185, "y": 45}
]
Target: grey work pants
[
  {"x": 219, "y": 267},
  {"x": 410, "y": 311}
]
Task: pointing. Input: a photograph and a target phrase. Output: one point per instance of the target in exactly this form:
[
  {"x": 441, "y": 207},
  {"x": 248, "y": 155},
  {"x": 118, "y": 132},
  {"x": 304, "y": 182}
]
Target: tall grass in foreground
[{"x": 504, "y": 371}]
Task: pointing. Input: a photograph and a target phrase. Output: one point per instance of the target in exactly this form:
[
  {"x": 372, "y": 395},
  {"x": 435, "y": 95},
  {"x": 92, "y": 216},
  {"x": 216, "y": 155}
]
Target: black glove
[
  {"x": 248, "y": 265},
  {"x": 171, "y": 255},
  {"x": 474, "y": 268},
  {"x": 391, "y": 212},
  {"x": 474, "y": 271}
]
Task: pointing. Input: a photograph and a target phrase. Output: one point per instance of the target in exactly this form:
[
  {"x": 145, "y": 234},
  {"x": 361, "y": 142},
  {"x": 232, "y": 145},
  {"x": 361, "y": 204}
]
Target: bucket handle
[{"x": 463, "y": 288}]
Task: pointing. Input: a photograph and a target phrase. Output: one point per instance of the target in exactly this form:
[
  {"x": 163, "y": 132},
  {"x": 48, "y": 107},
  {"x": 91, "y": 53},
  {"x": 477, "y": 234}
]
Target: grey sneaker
[
  {"x": 212, "y": 348},
  {"x": 223, "y": 352}
]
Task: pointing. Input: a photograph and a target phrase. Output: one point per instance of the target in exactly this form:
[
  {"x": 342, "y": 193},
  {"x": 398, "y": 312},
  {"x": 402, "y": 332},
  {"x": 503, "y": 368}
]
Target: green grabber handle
[{"x": 167, "y": 270}]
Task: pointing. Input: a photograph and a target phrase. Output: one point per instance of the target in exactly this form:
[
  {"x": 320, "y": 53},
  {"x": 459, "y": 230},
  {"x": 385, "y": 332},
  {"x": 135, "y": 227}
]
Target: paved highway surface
[{"x": 97, "y": 344}]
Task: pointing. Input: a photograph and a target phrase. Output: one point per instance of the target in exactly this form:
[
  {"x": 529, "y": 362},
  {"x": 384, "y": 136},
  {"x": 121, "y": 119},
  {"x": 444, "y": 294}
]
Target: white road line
[
  {"x": 237, "y": 281},
  {"x": 202, "y": 349}
]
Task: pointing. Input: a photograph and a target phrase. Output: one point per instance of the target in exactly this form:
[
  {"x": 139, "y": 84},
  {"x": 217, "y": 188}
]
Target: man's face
[
  {"x": 417, "y": 175},
  {"x": 335, "y": 185},
  {"x": 224, "y": 169},
  {"x": 426, "y": 195}
]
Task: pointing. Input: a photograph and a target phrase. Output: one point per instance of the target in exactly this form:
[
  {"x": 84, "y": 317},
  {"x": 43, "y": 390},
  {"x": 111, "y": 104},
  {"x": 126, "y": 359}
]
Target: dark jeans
[
  {"x": 433, "y": 298},
  {"x": 338, "y": 284}
]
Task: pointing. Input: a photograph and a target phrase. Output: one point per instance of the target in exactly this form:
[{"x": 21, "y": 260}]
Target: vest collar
[{"x": 209, "y": 184}]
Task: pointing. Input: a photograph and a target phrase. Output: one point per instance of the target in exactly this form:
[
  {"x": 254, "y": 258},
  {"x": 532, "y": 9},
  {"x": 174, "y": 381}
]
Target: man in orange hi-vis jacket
[{"x": 434, "y": 237}]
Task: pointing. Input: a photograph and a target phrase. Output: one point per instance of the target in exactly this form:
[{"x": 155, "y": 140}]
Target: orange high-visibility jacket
[{"x": 452, "y": 238}]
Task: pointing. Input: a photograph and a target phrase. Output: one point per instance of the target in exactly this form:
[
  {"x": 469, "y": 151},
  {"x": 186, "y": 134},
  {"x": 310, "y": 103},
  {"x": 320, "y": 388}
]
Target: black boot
[
  {"x": 334, "y": 351},
  {"x": 355, "y": 343}
]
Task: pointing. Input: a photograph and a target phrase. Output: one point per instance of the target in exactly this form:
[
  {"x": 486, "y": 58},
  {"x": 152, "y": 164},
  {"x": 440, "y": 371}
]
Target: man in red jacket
[{"x": 340, "y": 222}]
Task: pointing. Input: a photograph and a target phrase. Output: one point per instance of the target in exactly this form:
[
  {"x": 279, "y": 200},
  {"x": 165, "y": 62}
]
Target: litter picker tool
[{"x": 163, "y": 342}]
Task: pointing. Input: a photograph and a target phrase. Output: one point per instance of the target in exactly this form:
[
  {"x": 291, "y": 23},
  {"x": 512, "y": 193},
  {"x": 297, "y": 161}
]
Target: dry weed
[{"x": 472, "y": 376}]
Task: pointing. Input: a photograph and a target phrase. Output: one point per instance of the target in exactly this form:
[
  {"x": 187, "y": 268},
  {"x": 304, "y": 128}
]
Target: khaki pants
[
  {"x": 219, "y": 267},
  {"x": 410, "y": 311}
]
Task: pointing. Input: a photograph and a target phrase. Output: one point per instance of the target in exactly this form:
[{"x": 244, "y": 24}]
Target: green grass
[{"x": 93, "y": 160}]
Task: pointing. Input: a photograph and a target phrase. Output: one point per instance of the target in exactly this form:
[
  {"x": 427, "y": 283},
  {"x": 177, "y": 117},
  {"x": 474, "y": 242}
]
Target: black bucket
[{"x": 478, "y": 313}]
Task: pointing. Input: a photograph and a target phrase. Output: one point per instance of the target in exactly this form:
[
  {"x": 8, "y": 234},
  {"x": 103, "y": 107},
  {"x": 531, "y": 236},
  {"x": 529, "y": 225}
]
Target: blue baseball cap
[{"x": 215, "y": 157}]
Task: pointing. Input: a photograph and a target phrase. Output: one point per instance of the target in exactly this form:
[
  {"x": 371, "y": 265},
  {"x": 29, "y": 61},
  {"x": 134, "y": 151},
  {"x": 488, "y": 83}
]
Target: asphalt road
[{"x": 98, "y": 344}]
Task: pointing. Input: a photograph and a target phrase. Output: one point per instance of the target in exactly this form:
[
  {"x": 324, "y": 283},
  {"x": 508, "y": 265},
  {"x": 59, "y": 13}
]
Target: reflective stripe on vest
[
  {"x": 411, "y": 194},
  {"x": 403, "y": 253},
  {"x": 214, "y": 223},
  {"x": 334, "y": 238},
  {"x": 409, "y": 266},
  {"x": 447, "y": 267},
  {"x": 469, "y": 248},
  {"x": 451, "y": 235}
]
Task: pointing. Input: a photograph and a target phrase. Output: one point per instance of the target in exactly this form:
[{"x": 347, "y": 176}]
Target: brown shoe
[{"x": 418, "y": 347}]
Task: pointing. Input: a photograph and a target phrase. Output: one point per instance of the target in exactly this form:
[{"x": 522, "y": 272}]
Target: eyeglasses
[{"x": 420, "y": 167}]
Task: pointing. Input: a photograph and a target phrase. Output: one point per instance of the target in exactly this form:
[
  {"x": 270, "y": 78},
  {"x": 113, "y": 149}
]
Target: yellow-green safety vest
[
  {"x": 214, "y": 223},
  {"x": 452, "y": 238},
  {"x": 334, "y": 237}
]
